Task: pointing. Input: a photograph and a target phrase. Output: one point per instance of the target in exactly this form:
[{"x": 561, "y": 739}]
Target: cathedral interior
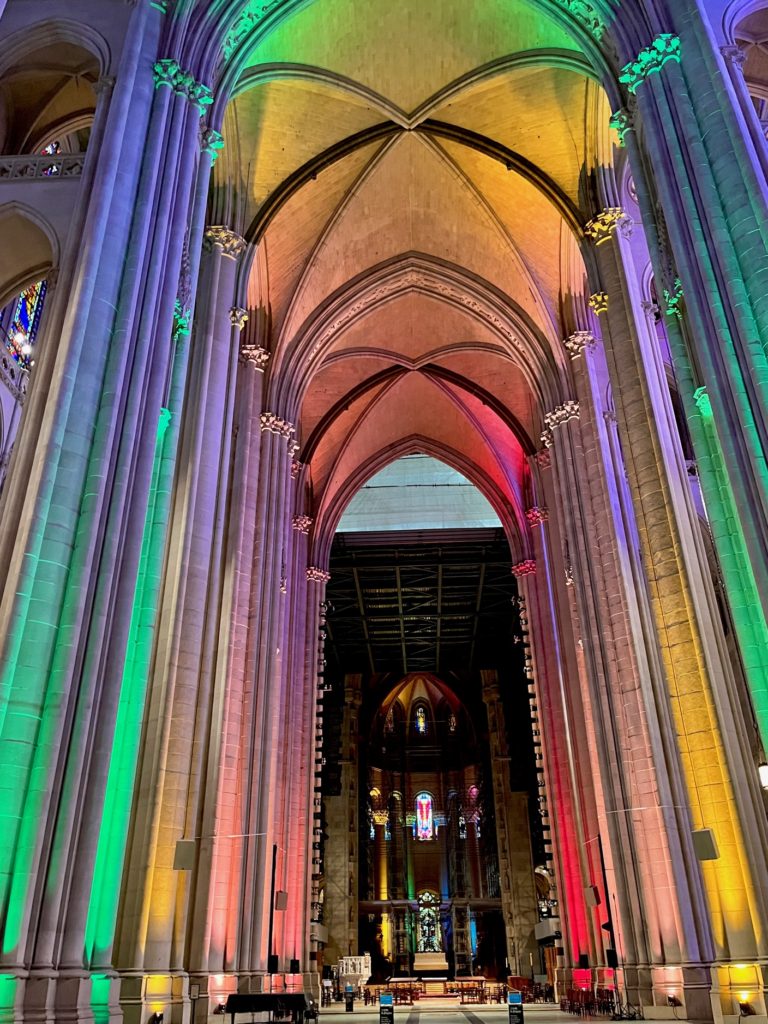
[{"x": 384, "y": 501}]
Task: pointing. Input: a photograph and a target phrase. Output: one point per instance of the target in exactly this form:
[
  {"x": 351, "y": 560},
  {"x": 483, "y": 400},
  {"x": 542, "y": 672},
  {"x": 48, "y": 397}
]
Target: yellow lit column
[{"x": 694, "y": 679}]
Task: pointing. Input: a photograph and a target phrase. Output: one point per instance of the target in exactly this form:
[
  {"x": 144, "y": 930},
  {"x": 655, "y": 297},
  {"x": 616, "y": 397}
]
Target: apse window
[{"x": 425, "y": 826}]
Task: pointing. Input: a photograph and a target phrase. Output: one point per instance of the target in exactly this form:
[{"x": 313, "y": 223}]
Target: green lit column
[
  {"x": 708, "y": 243},
  {"x": 724, "y": 425}
]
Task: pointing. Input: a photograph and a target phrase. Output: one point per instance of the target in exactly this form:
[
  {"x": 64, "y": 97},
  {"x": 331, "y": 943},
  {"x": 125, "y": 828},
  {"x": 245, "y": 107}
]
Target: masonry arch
[{"x": 32, "y": 236}]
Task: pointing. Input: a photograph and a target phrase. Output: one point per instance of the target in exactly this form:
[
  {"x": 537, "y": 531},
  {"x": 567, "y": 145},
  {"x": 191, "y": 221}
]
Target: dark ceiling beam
[{"x": 361, "y": 606}]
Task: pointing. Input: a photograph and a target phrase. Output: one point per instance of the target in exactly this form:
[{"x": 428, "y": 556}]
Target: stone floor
[{"x": 443, "y": 1011}]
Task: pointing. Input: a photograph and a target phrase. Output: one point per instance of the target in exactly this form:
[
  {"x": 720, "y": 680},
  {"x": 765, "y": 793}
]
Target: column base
[{"x": 79, "y": 997}]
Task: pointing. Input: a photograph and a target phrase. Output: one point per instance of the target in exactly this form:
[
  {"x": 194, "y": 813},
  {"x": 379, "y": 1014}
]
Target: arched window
[
  {"x": 430, "y": 934},
  {"x": 420, "y": 720},
  {"x": 425, "y": 826},
  {"x": 21, "y": 321}
]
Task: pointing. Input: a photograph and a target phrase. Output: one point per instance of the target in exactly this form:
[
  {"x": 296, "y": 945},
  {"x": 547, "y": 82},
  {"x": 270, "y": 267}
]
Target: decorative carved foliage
[
  {"x": 601, "y": 227},
  {"x": 302, "y": 523},
  {"x": 227, "y": 240},
  {"x": 316, "y": 575},
  {"x": 536, "y": 516},
  {"x": 663, "y": 49},
  {"x": 255, "y": 12},
  {"x": 578, "y": 342},
  {"x": 276, "y": 425},
  {"x": 169, "y": 74},
  {"x": 524, "y": 568}
]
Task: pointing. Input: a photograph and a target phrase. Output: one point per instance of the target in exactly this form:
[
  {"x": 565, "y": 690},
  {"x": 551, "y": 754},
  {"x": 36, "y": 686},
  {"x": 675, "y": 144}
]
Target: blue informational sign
[
  {"x": 386, "y": 1008},
  {"x": 515, "y": 1007}
]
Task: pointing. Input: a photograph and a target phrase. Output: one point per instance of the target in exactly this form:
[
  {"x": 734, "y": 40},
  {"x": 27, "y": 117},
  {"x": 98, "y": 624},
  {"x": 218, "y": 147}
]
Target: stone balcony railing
[{"x": 41, "y": 168}]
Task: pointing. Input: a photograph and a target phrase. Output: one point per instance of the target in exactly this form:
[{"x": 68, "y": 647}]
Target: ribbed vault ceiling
[{"x": 416, "y": 177}]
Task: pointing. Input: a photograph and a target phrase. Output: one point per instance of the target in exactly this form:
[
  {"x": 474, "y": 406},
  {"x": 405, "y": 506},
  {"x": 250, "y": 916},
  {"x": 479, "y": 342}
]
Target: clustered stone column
[
  {"x": 518, "y": 890},
  {"x": 679, "y": 645},
  {"x": 341, "y": 848},
  {"x": 72, "y": 568}
]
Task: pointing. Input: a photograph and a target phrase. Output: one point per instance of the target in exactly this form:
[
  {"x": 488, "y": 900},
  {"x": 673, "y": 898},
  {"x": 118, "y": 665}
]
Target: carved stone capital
[
  {"x": 238, "y": 317},
  {"x": 217, "y": 235},
  {"x": 317, "y": 575},
  {"x": 302, "y": 523},
  {"x": 734, "y": 55},
  {"x": 536, "y": 515},
  {"x": 255, "y": 355},
  {"x": 578, "y": 342},
  {"x": 293, "y": 449},
  {"x": 603, "y": 224},
  {"x": 524, "y": 568},
  {"x": 211, "y": 142},
  {"x": 562, "y": 414},
  {"x": 296, "y": 468},
  {"x": 544, "y": 456},
  {"x": 651, "y": 60},
  {"x": 169, "y": 74},
  {"x": 598, "y": 302},
  {"x": 623, "y": 122},
  {"x": 651, "y": 309},
  {"x": 276, "y": 425}
]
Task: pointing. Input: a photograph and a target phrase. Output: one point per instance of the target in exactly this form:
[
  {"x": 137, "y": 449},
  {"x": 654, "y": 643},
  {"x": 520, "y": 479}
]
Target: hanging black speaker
[
  {"x": 583, "y": 961},
  {"x": 611, "y": 958}
]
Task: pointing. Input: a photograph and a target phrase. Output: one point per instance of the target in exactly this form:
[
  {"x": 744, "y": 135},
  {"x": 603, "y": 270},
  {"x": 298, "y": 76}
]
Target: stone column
[
  {"x": 692, "y": 678},
  {"x": 72, "y": 575},
  {"x": 181, "y": 742},
  {"x": 704, "y": 204},
  {"x": 518, "y": 888},
  {"x": 232, "y": 810},
  {"x": 341, "y": 849},
  {"x": 554, "y": 699}
]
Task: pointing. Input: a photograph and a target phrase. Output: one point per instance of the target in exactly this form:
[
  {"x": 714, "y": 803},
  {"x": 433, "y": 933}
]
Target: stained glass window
[
  {"x": 421, "y": 720},
  {"x": 21, "y": 333},
  {"x": 424, "y": 821},
  {"x": 452, "y": 722},
  {"x": 51, "y": 150},
  {"x": 430, "y": 936}
]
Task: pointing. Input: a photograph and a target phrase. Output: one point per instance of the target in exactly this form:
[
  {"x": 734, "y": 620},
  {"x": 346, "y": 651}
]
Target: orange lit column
[{"x": 221, "y": 898}]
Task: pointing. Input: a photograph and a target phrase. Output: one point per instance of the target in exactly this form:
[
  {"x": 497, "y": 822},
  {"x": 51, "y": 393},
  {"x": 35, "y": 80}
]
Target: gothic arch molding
[
  {"x": 330, "y": 512},
  {"x": 294, "y": 367},
  {"x": 431, "y": 370},
  {"x": 59, "y": 30}
]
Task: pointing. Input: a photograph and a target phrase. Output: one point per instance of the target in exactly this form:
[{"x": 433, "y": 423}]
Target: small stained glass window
[
  {"x": 421, "y": 720},
  {"x": 424, "y": 818},
  {"x": 25, "y": 321}
]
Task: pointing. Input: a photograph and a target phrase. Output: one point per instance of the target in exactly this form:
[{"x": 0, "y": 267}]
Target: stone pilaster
[
  {"x": 518, "y": 888},
  {"x": 341, "y": 850}
]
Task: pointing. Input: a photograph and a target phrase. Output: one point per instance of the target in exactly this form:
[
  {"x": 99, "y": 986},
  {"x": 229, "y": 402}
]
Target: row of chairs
[{"x": 586, "y": 1003}]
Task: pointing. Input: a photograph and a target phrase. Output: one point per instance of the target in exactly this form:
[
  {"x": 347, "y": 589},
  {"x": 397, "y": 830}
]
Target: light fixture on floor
[{"x": 762, "y": 771}]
